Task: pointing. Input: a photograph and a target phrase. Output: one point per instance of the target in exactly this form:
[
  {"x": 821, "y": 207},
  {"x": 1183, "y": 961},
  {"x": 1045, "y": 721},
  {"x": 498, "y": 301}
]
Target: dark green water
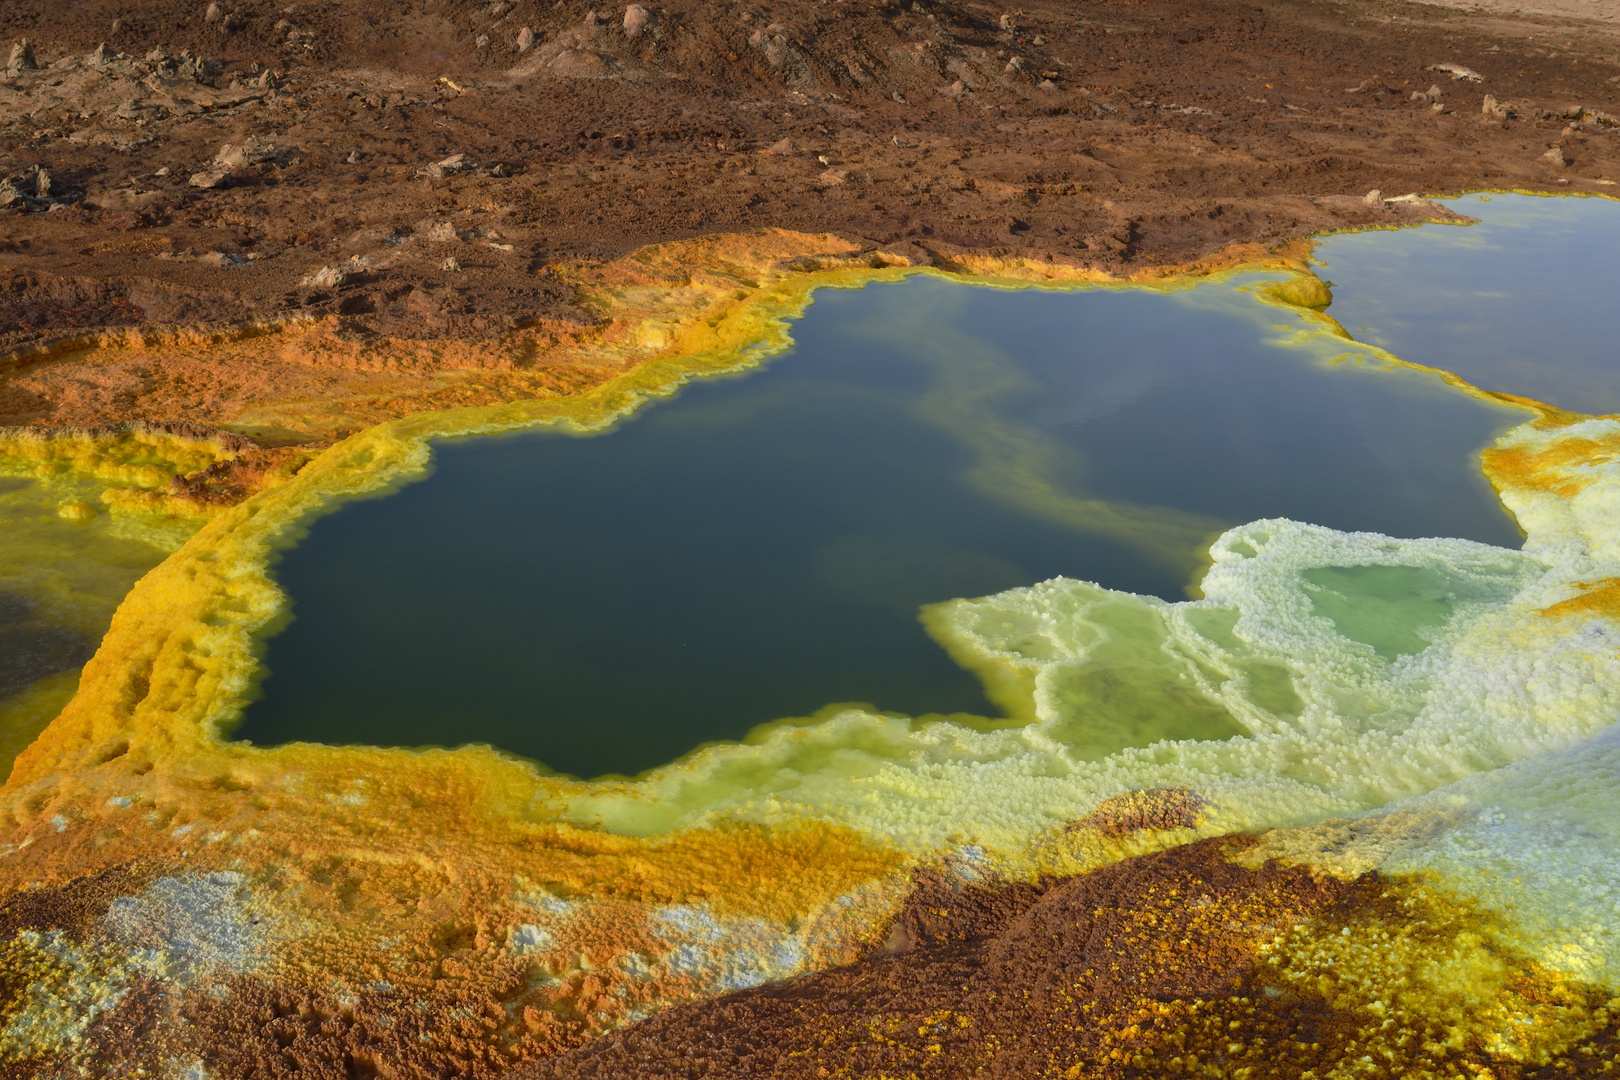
[
  {"x": 1524, "y": 302},
  {"x": 758, "y": 547}
]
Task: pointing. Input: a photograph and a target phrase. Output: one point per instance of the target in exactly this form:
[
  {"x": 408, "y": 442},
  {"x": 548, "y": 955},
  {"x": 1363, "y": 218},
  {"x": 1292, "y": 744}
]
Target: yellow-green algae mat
[{"x": 1434, "y": 707}]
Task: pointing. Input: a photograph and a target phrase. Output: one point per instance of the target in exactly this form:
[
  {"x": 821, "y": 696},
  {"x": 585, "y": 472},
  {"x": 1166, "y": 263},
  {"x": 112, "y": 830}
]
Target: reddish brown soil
[{"x": 1120, "y": 133}]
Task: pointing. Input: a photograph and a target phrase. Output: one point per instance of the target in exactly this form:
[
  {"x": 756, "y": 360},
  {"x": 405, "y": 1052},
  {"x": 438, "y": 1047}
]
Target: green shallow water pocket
[
  {"x": 61, "y": 578},
  {"x": 1395, "y": 609},
  {"x": 1132, "y": 692},
  {"x": 762, "y": 544}
]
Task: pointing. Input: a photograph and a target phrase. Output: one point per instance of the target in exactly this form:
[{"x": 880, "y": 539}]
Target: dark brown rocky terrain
[{"x": 423, "y": 168}]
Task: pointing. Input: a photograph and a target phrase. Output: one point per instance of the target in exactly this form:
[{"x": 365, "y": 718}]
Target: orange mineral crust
[
  {"x": 311, "y": 379},
  {"x": 1562, "y": 468}
]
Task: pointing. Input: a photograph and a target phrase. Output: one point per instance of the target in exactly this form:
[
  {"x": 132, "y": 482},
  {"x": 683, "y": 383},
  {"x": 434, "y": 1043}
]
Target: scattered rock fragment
[
  {"x": 1457, "y": 71},
  {"x": 327, "y": 277},
  {"x": 1494, "y": 109},
  {"x": 450, "y": 265},
  {"x": 1373, "y": 198},
  {"x": 450, "y": 166},
  {"x": 1580, "y": 114},
  {"x": 1556, "y": 156},
  {"x": 22, "y": 57},
  {"x": 212, "y": 177},
  {"x": 638, "y": 19},
  {"x": 251, "y": 152},
  {"x": 234, "y": 161},
  {"x": 525, "y": 40},
  {"x": 214, "y": 13},
  {"x": 34, "y": 190}
]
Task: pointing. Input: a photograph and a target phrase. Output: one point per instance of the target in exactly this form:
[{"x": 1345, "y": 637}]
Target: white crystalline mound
[
  {"x": 188, "y": 925},
  {"x": 1538, "y": 842}
]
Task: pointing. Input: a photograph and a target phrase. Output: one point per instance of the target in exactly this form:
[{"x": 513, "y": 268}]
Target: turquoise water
[
  {"x": 758, "y": 547},
  {"x": 1524, "y": 302}
]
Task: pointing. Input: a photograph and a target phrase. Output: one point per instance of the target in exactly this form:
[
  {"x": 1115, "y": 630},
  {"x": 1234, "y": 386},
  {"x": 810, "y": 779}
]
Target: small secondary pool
[
  {"x": 1522, "y": 303},
  {"x": 758, "y": 547}
]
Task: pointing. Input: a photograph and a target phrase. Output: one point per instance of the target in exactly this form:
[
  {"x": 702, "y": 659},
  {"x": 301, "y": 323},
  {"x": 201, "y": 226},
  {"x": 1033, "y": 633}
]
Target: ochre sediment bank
[{"x": 315, "y": 379}]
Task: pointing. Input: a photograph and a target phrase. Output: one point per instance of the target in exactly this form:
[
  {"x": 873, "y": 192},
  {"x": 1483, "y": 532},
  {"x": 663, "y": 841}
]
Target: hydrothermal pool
[{"x": 761, "y": 546}]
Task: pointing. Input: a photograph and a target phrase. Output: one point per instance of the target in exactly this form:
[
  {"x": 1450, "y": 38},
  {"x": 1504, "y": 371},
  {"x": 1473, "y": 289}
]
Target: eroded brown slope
[{"x": 213, "y": 180}]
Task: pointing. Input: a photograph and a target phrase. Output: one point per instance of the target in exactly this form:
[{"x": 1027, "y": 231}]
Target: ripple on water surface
[{"x": 761, "y": 545}]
